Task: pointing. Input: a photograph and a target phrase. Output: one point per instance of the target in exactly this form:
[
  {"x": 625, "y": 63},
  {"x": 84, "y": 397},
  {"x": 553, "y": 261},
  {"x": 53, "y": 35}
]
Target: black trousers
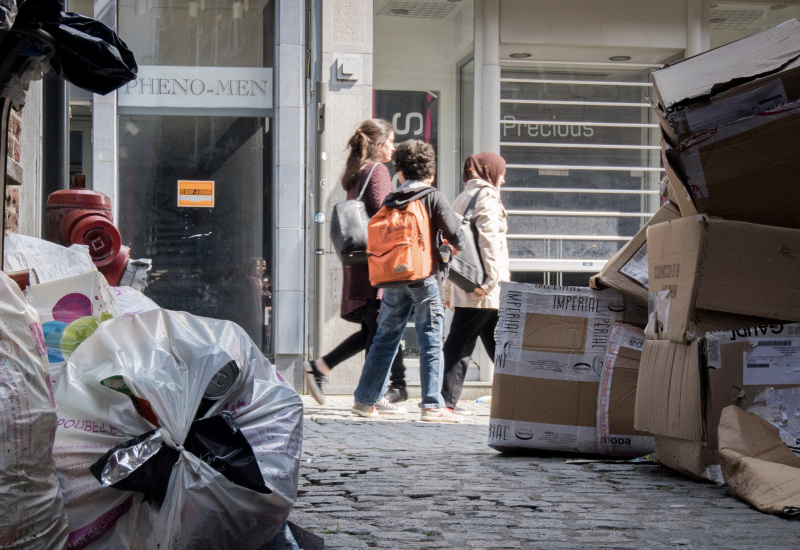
[
  {"x": 468, "y": 324},
  {"x": 362, "y": 340}
]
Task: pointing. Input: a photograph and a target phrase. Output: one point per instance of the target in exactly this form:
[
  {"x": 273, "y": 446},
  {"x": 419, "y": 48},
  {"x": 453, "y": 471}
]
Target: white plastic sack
[
  {"x": 131, "y": 301},
  {"x": 70, "y": 309},
  {"x": 51, "y": 261},
  {"x": 32, "y": 514},
  {"x": 168, "y": 359}
]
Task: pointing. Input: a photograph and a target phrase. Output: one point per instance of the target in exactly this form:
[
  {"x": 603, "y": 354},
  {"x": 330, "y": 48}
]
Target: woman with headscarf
[{"x": 476, "y": 312}]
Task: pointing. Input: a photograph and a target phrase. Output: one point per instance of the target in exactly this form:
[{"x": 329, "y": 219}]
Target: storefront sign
[
  {"x": 237, "y": 91},
  {"x": 196, "y": 194}
]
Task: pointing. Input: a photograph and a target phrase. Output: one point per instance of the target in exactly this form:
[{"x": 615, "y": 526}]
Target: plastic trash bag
[
  {"x": 71, "y": 309},
  {"x": 167, "y": 366},
  {"x": 131, "y": 301},
  {"x": 32, "y": 513},
  {"x": 51, "y": 261},
  {"x": 87, "y": 52}
]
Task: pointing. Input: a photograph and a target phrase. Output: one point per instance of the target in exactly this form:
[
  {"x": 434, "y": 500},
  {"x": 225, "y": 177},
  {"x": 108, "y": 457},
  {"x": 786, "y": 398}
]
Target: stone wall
[{"x": 13, "y": 173}]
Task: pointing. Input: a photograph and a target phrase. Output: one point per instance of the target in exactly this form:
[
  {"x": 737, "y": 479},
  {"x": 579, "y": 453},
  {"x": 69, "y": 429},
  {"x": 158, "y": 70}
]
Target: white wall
[
  {"x": 649, "y": 31},
  {"x": 423, "y": 55}
]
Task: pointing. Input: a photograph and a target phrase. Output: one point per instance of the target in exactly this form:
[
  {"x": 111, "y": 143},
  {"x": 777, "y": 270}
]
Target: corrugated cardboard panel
[
  {"x": 673, "y": 255},
  {"x": 746, "y": 170},
  {"x": 690, "y": 458},
  {"x": 750, "y": 269},
  {"x": 626, "y": 271},
  {"x": 721, "y": 68},
  {"x": 669, "y": 392},
  {"x": 555, "y": 333},
  {"x": 544, "y": 401}
]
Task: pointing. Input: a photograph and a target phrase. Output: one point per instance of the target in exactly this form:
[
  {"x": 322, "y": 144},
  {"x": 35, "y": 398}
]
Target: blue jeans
[{"x": 396, "y": 308}]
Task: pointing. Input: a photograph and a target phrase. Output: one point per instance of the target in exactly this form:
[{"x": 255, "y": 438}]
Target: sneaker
[
  {"x": 462, "y": 411},
  {"x": 396, "y": 395},
  {"x": 384, "y": 407},
  {"x": 367, "y": 411},
  {"x": 442, "y": 414},
  {"x": 314, "y": 380}
]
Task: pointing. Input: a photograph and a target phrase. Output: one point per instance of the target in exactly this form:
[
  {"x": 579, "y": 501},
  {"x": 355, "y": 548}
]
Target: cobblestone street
[{"x": 407, "y": 485}]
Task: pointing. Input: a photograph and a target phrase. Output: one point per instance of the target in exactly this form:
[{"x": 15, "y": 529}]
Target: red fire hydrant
[{"x": 83, "y": 216}]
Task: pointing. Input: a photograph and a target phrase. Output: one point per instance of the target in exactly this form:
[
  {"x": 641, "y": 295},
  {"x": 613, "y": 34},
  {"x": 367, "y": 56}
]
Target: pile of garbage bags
[{"x": 124, "y": 425}]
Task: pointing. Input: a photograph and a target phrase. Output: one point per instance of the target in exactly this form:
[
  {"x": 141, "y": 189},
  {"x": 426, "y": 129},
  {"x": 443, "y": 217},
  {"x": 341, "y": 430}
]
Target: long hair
[{"x": 364, "y": 144}]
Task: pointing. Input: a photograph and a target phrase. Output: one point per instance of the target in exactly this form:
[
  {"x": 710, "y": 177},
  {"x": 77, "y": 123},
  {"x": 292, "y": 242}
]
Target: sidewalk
[{"x": 408, "y": 485}]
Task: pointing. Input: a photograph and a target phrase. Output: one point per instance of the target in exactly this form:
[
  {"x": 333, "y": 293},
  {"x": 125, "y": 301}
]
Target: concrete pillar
[
  {"x": 698, "y": 36},
  {"x": 489, "y": 138}
]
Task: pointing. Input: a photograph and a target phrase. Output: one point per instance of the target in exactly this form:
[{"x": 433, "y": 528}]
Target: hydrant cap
[{"x": 79, "y": 198}]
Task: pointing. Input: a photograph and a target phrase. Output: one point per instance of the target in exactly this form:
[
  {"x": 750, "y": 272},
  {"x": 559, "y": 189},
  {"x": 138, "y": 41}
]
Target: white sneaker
[
  {"x": 384, "y": 407},
  {"x": 441, "y": 414},
  {"x": 462, "y": 411},
  {"x": 366, "y": 411}
]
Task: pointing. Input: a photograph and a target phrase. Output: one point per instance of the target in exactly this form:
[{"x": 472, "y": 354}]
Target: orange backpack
[{"x": 398, "y": 245}]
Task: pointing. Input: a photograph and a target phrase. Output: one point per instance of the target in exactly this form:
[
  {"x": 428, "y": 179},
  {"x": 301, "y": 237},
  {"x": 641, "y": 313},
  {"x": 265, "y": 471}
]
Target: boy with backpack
[{"x": 404, "y": 259}]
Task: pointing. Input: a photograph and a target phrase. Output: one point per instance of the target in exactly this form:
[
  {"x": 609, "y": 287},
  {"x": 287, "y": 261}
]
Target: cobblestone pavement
[{"x": 407, "y": 485}]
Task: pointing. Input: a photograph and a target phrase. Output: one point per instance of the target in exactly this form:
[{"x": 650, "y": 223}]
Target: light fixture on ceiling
[
  {"x": 777, "y": 7},
  {"x": 519, "y": 55},
  {"x": 619, "y": 58},
  {"x": 454, "y": 1}
]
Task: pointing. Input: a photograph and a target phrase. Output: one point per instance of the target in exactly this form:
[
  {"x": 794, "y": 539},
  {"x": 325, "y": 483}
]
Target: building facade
[{"x": 223, "y": 158}]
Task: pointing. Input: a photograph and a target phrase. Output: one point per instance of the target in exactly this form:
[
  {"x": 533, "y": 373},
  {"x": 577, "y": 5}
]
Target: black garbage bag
[
  {"x": 217, "y": 440},
  {"x": 87, "y": 52}
]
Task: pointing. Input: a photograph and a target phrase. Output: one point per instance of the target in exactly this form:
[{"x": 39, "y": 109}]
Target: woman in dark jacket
[{"x": 371, "y": 145}]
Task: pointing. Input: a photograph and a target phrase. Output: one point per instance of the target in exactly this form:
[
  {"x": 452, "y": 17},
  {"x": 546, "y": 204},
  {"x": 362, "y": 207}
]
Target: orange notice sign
[{"x": 196, "y": 193}]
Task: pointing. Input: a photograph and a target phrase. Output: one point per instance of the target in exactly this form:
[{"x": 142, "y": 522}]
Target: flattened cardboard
[
  {"x": 757, "y": 465},
  {"x": 551, "y": 345},
  {"x": 722, "y": 275},
  {"x": 713, "y": 71},
  {"x": 746, "y": 170},
  {"x": 616, "y": 400},
  {"x": 669, "y": 398},
  {"x": 626, "y": 271}
]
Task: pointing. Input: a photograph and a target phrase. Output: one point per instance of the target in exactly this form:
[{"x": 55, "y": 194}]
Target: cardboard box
[
  {"x": 710, "y": 274},
  {"x": 734, "y": 81},
  {"x": 551, "y": 345},
  {"x": 746, "y": 170},
  {"x": 626, "y": 271},
  {"x": 758, "y": 370},
  {"x": 683, "y": 389},
  {"x": 616, "y": 399}
]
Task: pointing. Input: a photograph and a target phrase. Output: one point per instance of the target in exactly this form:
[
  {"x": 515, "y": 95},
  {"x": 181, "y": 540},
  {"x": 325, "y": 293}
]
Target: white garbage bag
[
  {"x": 50, "y": 261},
  {"x": 32, "y": 514},
  {"x": 165, "y": 366}
]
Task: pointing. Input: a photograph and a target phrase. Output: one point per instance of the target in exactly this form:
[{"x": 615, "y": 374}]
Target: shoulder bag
[
  {"x": 466, "y": 267},
  {"x": 349, "y": 228}
]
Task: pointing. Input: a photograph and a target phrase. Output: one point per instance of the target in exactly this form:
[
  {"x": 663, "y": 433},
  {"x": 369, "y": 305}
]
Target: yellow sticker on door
[{"x": 193, "y": 193}]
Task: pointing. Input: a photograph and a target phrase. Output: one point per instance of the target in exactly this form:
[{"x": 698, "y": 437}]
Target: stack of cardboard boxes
[
  {"x": 724, "y": 276},
  {"x": 719, "y": 269}
]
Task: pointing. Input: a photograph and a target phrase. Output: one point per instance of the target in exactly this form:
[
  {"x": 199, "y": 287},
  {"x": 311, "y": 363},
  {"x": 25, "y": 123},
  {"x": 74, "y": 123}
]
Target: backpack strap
[
  {"x": 361, "y": 193},
  {"x": 471, "y": 207}
]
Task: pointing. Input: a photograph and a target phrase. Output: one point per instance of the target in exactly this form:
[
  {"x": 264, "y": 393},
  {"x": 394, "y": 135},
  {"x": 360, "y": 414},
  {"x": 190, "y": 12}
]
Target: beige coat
[{"x": 491, "y": 220}]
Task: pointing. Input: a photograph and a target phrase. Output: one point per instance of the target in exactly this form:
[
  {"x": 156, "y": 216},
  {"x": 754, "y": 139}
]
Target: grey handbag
[
  {"x": 466, "y": 267},
  {"x": 349, "y": 228}
]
